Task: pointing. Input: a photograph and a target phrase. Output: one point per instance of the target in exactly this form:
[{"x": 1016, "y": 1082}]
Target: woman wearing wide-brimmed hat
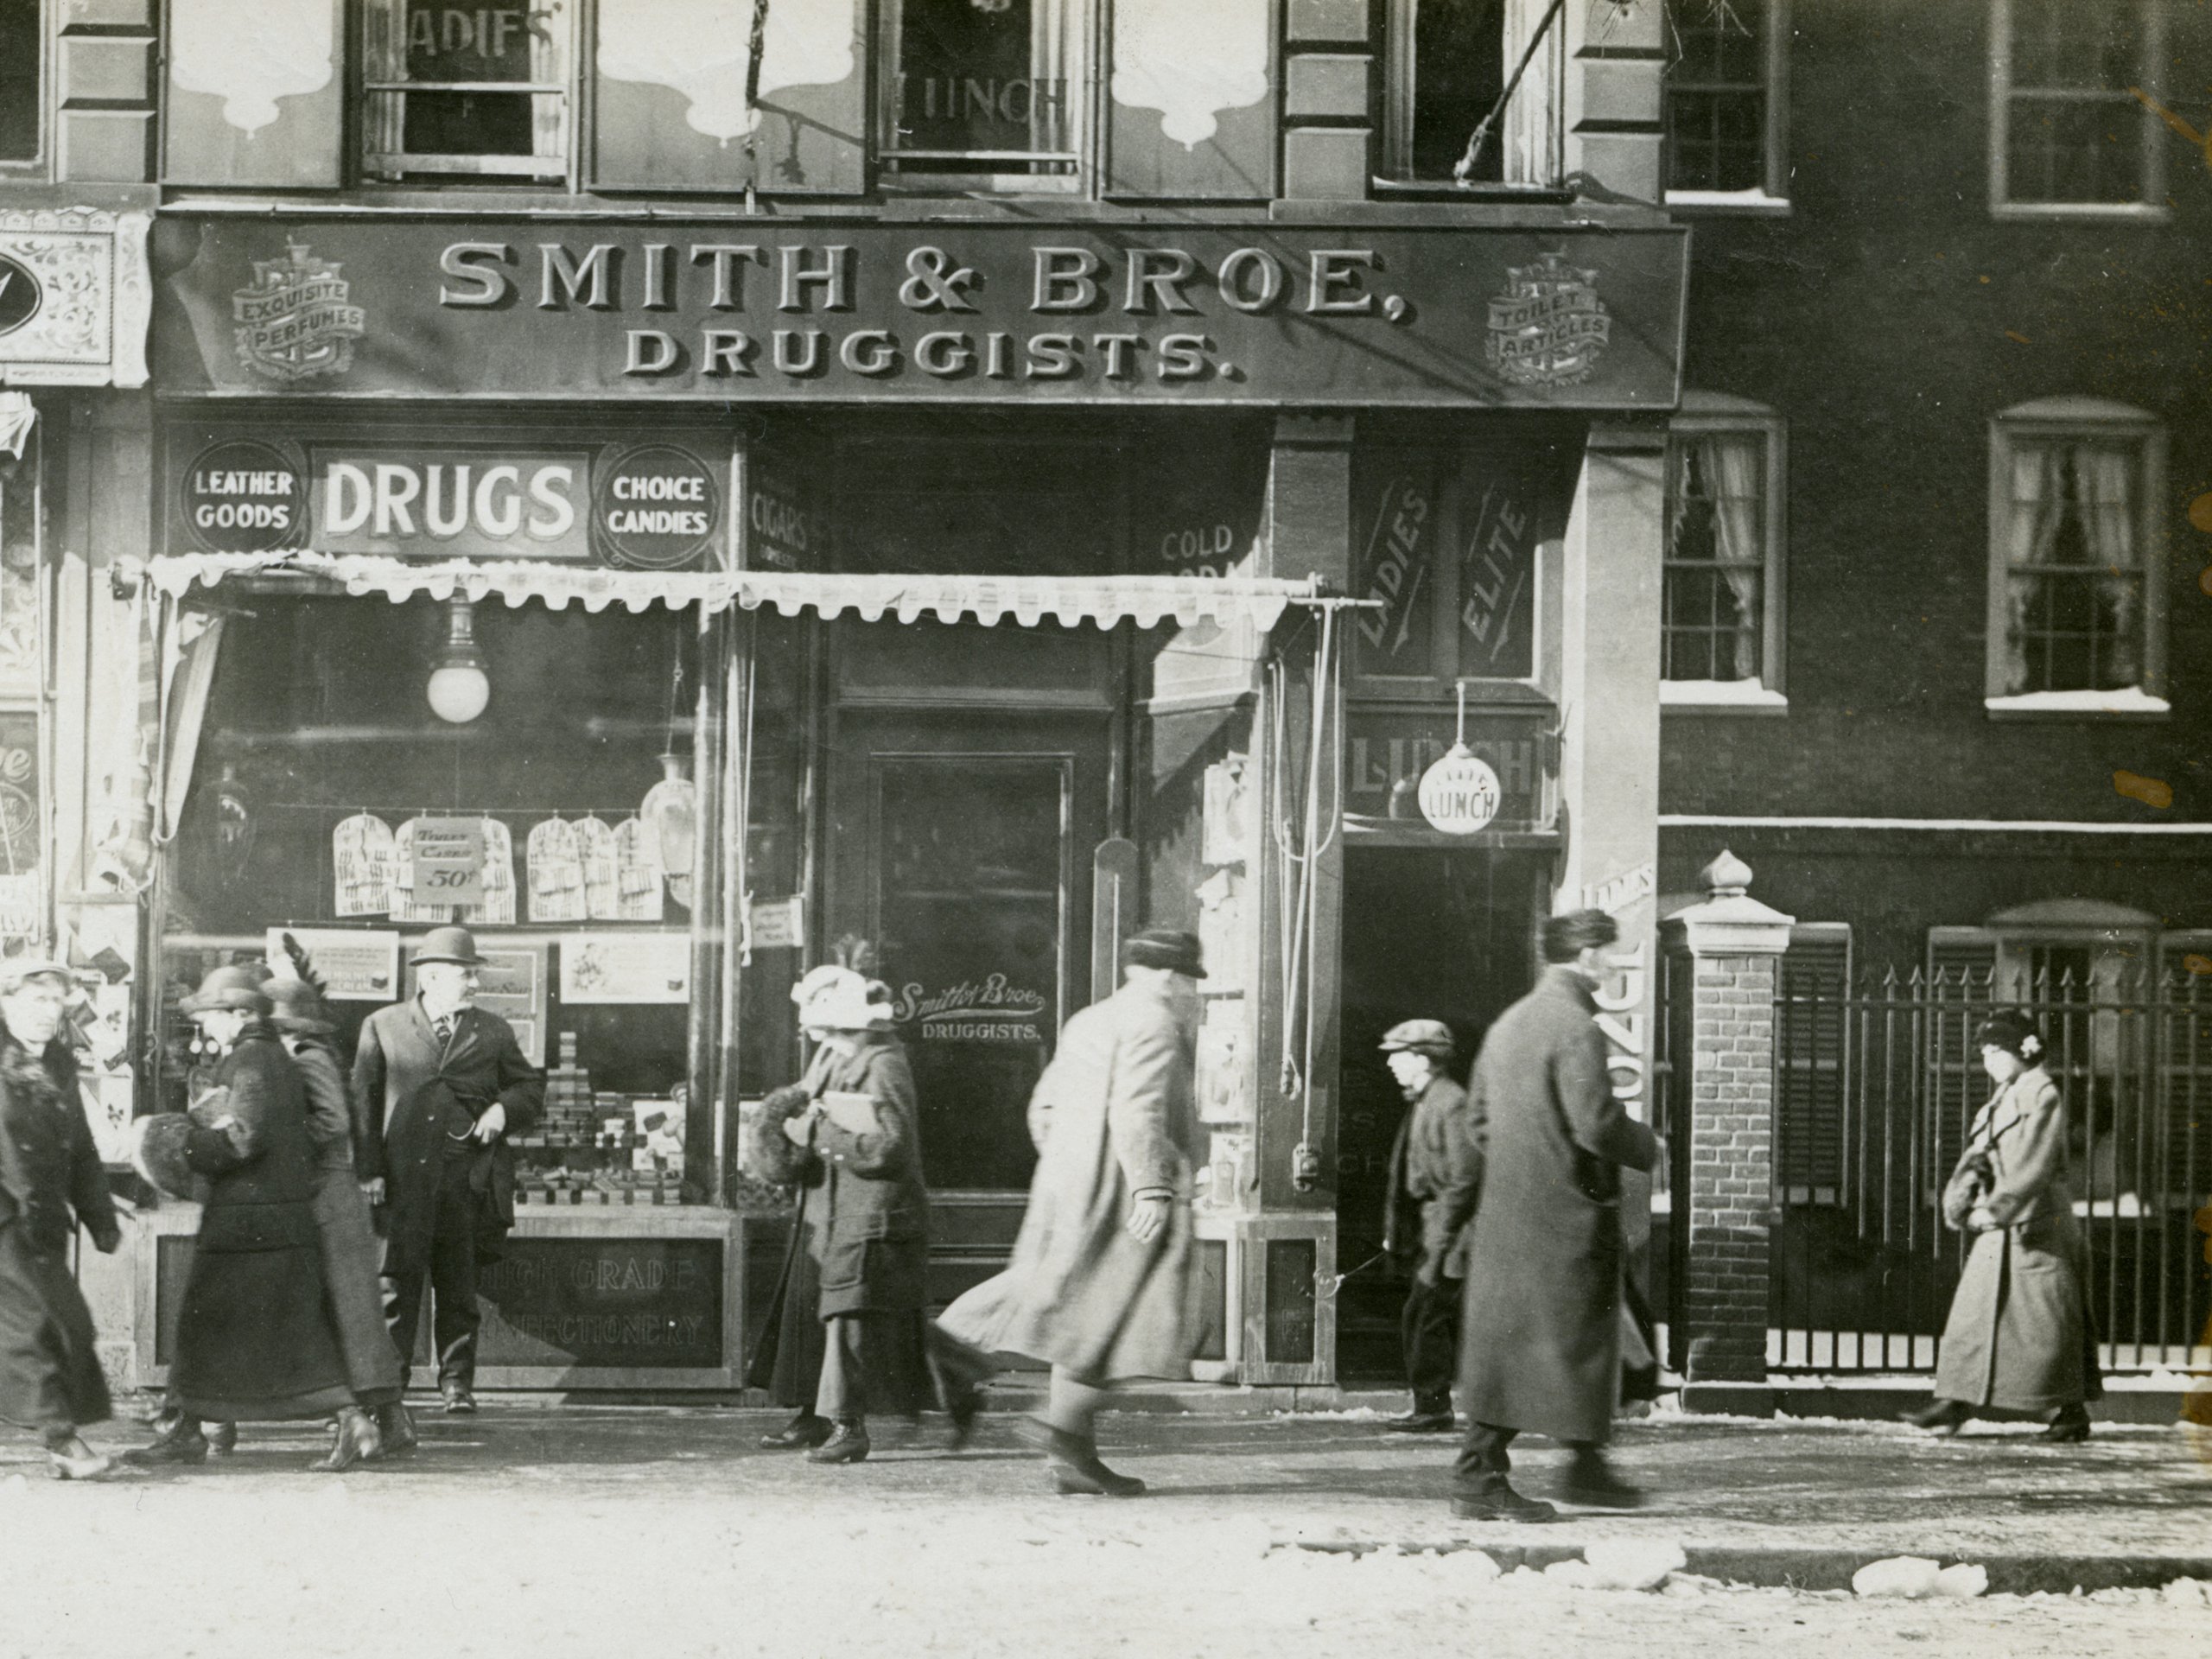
[
  {"x": 255, "y": 1340},
  {"x": 2018, "y": 1342},
  {"x": 50, "y": 1182},
  {"x": 352, "y": 1254}
]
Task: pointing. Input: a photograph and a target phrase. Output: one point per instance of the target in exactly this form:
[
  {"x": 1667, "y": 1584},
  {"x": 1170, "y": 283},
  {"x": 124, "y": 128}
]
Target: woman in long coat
[
  {"x": 255, "y": 1340},
  {"x": 50, "y": 1182},
  {"x": 1103, "y": 1282},
  {"x": 2018, "y": 1339}
]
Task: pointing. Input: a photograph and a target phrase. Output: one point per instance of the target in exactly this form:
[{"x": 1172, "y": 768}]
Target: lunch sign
[{"x": 1446, "y": 315}]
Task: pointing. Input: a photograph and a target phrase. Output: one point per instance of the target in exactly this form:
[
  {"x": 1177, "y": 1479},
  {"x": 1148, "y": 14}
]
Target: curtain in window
[
  {"x": 2038, "y": 507},
  {"x": 2105, "y": 476},
  {"x": 1730, "y": 463}
]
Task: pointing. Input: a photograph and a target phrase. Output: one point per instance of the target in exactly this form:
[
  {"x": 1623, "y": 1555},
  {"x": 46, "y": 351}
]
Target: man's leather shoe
[
  {"x": 1422, "y": 1422},
  {"x": 802, "y": 1433},
  {"x": 460, "y": 1403},
  {"x": 848, "y": 1443},
  {"x": 356, "y": 1440},
  {"x": 396, "y": 1429},
  {"x": 181, "y": 1442},
  {"x": 1502, "y": 1503},
  {"x": 1591, "y": 1483}
]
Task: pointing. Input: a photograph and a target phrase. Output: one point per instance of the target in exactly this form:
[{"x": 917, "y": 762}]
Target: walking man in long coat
[
  {"x": 1102, "y": 1286},
  {"x": 1434, "y": 1154},
  {"x": 1541, "y": 1330},
  {"x": 440, "y": 1084}
]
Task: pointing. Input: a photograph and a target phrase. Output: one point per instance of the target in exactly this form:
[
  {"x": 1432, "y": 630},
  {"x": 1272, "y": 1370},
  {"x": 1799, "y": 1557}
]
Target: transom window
[
  {"x": 2074, "y": 612},
  {"x": 1720, "y": 602},
  {"x": 2068, "y": 130},
  {"x": 989, "y": 92},
  {"x": 1725, "y": 92},
  {"x": 483, "y": 91}
]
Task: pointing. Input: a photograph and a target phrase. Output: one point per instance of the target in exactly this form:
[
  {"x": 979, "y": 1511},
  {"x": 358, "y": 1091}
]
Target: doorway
[{"x": 1436, "y": 933}]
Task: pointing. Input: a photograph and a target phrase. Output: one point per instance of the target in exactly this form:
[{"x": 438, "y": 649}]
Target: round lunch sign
[
  {"x": 1459, "y": 793},
  {"x": 657, "y": 507}
]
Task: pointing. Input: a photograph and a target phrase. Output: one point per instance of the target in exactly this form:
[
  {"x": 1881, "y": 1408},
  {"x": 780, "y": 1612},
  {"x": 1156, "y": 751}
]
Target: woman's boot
[
  {"x": 803, "y": 1432},
  {"x": 2070, "y": 1426},
  {"x": 848, "y": 1443},
  {"x": 1942, "y": 1417},
  {"x": 355, "y": 1441}
]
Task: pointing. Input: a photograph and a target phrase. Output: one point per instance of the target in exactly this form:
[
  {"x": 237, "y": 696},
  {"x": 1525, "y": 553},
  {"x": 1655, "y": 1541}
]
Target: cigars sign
[
  {"x": 1250, "y": 313},
  {"x": 648, "y": 504}
]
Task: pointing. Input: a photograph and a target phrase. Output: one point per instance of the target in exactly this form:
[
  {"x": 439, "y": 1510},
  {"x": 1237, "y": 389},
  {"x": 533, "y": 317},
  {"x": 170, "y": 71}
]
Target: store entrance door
[
  {"x": 962, "y": 844},
  {"x": 1439, "y": 934}
]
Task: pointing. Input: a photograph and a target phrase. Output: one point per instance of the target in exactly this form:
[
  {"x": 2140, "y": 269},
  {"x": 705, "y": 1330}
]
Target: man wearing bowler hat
[{"x": 439, "y": 1084}]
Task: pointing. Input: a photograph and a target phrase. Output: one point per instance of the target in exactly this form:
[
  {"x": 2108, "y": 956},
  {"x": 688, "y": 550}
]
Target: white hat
[{"x": 837, "y": 999}]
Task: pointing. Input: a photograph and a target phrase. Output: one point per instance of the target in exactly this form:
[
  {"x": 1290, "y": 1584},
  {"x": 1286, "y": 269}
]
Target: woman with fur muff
[
  {"x": 51, "y": 1182},
  {"x": 2018, "y": 1342},
  {"x": 255, "y": 1341}
]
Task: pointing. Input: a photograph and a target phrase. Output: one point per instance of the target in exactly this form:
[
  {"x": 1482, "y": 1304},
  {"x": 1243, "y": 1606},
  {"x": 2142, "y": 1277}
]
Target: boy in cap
[{"x": 1435, "y": 1151}]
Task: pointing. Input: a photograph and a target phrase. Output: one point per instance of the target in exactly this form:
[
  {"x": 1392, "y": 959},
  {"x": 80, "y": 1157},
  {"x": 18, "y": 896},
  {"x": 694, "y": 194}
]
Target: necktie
[{"x": 443, "y": 1026}]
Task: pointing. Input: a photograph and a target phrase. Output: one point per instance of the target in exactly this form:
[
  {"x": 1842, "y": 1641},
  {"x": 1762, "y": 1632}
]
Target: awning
[{"x": 1068, "y": 600}]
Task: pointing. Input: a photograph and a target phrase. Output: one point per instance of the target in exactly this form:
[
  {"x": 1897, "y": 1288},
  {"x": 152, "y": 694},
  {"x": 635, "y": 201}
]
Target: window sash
[
  {"x": 1699, "y": 151},
  {"x": 2014, "y": 105},
  {"x": 387, "y": 86},
  {"x": 1060, "y": 41},
  {"x": 1698, "y": 641}
]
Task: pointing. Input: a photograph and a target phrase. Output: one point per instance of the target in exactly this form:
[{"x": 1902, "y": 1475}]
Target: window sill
[
  {"x": 1731, "y": 204},
  {"x": 2143, "y": 213},
  {"x": 2054, "y": 705},
  {"x": 1720, "y": 698}
]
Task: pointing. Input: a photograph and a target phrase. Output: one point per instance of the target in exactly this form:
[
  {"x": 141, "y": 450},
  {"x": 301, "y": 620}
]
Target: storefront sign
[
  {"x": 652, "y": 1304},
  {"x": 1390, "y": 753},
  {"x": 992, "y": 1009},
  {"x": 1458, "y": 793},
  {"x": 450, "y": 860},
  {"x": 626, "y": 968},
  {"x": 1444, "y": 315},
  {"x": 1497, "y": 581},
  {"x": 75, "y": 297},
  {"x": 354, "y": 965},
  {"x": 653, "y": 506}
]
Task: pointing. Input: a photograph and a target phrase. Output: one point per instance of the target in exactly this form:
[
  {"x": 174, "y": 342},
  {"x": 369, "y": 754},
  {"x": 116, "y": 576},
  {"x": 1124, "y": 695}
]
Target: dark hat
[
  {"x": 238, "y": 986},
  {"x": 448, "y": 945},
  {"x": 1163, "y": 947},
  {"x": 1567, "y": 937},
  {"x": 2014, "y": 1032},
  {"x": 157, "y": 1151},
  {"x": 295, "y": 1006},
  {"x": 1429, "y": 1037}
]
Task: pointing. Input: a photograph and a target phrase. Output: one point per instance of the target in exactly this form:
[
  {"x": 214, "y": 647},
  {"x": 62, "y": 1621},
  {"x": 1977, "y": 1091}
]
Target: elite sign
[{"x": 1449, "y": 314}]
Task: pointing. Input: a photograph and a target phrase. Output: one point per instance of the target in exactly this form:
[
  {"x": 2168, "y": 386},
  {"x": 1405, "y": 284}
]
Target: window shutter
[
  {"x": 1190, "y": 112},
  {"x": 1959, "y": 990},
  {"x": 256, "y": 93},
  {"x": 667, "y": 81},
  {"x": 1813, "y": 1050}
]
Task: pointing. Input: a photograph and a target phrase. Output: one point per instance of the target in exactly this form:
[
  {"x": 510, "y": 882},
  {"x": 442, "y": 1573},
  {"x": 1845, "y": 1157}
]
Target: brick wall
[{"x": 1730, "y": 1190}]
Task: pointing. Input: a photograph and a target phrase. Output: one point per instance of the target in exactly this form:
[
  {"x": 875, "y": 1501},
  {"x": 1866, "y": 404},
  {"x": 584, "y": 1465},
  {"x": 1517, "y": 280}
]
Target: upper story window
[
  {"x": 2068, "y": 134},
  {"x": 483, "y": 91},
  {"x": 1727, "y": 112},
  {"x": 22, "y": 53},
  {"x": 987, "y": 93},
  {"x": 1447, "y": 61},
  {"x": 1721, "y": 596},
  {"x": 2076, "y": 607}
]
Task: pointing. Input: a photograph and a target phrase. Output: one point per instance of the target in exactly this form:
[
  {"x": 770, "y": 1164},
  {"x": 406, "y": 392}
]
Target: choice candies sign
[
  {"x": 1459, "y": 793},
  {"x": 658, "y": 508},
  {"x": 242, "y": 497}
]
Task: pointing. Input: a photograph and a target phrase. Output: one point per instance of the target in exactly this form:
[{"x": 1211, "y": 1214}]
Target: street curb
[{"x": 1794, "y": 1567}]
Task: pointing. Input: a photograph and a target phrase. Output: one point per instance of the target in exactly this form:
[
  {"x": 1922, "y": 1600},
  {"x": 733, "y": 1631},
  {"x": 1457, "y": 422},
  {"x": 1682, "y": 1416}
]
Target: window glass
[
  {"x": 985, "y": 86},
  {"x": 2074, "y": 132},
  {"x": 1715, "y": 573},
  {"x": 2073, "y": 566},
  {"x": 21, "y": 110},
  {"x": 1716, "y": 95},
  {"x": 1457, "y": 69},
  {"x": 453, "y": 91}
]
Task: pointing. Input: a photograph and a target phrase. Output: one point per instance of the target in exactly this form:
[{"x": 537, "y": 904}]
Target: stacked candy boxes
[{"x": 600, "y": 1148}]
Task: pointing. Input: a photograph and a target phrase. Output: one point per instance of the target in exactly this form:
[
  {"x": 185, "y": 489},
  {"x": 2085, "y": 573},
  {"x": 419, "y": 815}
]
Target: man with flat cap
[
  {"x": 1102, "y": 1286},
  {"x": 1434, "y": 1152},
  {"x": 439, "y": 1085},
  {"x": 1540, "y": 1332}
]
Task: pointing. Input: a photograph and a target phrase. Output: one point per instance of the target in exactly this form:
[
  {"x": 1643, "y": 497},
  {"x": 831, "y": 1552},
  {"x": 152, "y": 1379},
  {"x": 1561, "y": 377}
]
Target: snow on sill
[
  {"x": 2133, "y": 700},
  {"x": 1723, "y": 696},
  {"x": 1731, "y": 202}
]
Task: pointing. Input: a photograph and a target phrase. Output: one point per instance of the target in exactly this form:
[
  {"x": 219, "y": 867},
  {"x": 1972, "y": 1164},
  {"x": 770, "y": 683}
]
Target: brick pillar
[{"x": 1723, "y": 954}]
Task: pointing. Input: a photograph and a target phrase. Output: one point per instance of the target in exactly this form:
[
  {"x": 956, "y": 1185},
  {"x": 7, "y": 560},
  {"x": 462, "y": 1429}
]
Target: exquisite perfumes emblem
[{"x": 294, "y": 321}]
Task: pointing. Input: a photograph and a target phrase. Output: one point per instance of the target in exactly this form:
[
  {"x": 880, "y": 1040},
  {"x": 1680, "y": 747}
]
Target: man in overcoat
[
  {"x": 1102, "y": 1285},
  {"x": 439, "y": 1084},
  {"x": 1541, "y": 1327},
  {"x": 1434, "y": 1153}
]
